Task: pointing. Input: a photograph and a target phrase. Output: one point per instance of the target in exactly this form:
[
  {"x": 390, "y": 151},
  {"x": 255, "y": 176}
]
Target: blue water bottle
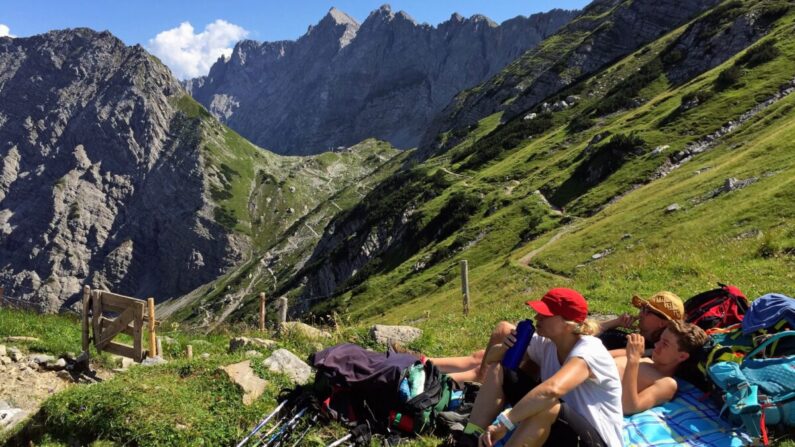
[{"x": 524, "y": 332}]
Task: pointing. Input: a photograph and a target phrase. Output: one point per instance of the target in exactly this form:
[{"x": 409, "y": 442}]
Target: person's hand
[
  {"x": 626, "y": 320},
  {"x": 510, "y": 339},
  {"x": 492, "y": 435},
  {"x": 635, "y": 347}
]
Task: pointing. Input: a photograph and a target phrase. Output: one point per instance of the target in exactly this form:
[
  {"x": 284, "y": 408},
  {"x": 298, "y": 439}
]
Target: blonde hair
[{"x": 587, "y": 327}]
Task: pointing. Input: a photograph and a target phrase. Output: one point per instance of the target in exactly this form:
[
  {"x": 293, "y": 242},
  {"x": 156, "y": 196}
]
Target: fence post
[
  {"x": 152, "y": 341},
  {"x": 84, "y": 313},
  {"x": 2, "y": 291},
  {"x": 282, "y": 312},
  {"x": 262, "y": 312},
  {"x": 159, "y": 347},
  {"x": 465, "y": 285},
  {"x": 189, "y": 352}
]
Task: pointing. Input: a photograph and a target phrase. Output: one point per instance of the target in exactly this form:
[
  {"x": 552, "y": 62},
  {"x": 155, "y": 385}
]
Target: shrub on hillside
[
  {"x": 623, "y": 95},
  {"x": 728, "y": 78},
  {"x": 771, "y": 12},
  {"x": 758, "y": 55},
  {"x": 597, "y": 165},
  {"x": 505, "y": 137},
  {"x": 225, "y": 218},
  {"x": 579, "y": 123}
]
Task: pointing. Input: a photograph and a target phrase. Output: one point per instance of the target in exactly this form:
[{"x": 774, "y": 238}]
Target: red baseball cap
[{"x": 567, "y": 303}]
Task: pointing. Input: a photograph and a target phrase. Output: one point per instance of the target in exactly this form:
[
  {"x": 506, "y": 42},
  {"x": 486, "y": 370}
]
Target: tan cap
[{"x": 665, "y": 303}]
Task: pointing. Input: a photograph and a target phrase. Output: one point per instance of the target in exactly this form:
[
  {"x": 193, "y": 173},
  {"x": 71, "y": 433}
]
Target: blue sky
[{"x": 214, "y": 26}]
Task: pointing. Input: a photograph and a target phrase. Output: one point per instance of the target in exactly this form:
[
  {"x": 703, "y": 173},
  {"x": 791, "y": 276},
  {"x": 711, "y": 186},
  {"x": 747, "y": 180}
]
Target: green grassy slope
[
  {"x": 276, "y": 207},
  {"x": 745, "y": 236}
]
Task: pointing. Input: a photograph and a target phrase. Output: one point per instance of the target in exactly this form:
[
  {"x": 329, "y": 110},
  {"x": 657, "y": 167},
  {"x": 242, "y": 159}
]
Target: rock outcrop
[
  {"x": 343, "y": 81},
  {"x": 101, "y": 176}
]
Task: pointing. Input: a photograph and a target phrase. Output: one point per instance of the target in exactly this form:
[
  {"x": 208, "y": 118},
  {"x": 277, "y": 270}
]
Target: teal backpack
[{"x": 759, "y": 392}]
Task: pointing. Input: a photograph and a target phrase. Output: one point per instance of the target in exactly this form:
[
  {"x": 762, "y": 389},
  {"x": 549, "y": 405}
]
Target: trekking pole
[
  {"x": 291, "y": 423},
  {"x": 340, "y": 440},
  {"x": 311, "y": 424},
  {"x": 262, "y": 424}
]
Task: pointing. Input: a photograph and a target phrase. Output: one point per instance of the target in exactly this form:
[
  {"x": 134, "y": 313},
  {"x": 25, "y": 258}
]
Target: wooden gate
[{"x": 126, "y": 317}]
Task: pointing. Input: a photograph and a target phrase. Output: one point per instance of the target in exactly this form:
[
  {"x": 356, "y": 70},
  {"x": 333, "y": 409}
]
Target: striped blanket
[
  {"x": 684, "y": 421},
  {"x": 687, "y": 420}
]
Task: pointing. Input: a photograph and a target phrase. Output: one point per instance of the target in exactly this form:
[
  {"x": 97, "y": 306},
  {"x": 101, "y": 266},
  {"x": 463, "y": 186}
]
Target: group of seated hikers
[{"x": 578, "y": 378}]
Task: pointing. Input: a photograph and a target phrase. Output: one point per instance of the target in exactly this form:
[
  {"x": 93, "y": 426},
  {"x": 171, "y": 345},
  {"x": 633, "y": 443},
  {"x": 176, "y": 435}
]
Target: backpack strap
[{"x": 772, "y": 339}]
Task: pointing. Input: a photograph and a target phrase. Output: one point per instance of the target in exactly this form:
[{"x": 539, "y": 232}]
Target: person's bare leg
[
  {"x": 498, "y": 334},
  {"x": 461, "y": 369},
  {"x": 490, "y": 399},
  {"x": 534, "y": 431}
]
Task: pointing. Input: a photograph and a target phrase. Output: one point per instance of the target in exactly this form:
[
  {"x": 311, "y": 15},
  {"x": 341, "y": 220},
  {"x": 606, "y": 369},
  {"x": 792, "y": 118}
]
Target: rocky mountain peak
[
  {"x": 100, "y": 174},
  {"x": 341, "y": 18},
  {"x": 335, "y": 26},
  {"x": 387, "y": 77}
]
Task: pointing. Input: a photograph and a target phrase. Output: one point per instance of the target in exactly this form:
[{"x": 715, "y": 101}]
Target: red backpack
[{"x": 719, "y": 307}]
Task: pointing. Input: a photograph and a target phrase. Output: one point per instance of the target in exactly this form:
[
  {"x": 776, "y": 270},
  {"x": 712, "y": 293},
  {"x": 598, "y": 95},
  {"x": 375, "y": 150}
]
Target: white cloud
[
  {"x": 5, "y": 31},
  {"x": 189, "y": 54}
]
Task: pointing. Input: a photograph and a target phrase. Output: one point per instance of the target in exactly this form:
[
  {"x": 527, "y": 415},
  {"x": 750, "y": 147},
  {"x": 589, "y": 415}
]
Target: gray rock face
[
  {"x": 606, "y": 30},
  {"x": 100, "y": 177},
  {"x": 285, "y": 362},
  {"x": 343, "y": 82},
  {"x": 245, "y": 377},
  {"x": 388, "y": 334}
]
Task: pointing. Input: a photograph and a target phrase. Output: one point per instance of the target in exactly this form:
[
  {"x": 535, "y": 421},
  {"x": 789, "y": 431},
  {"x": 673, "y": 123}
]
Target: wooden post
[
  {"x": 262, "y": 312},
  {"x": 282, "y": 311},
  {"x": 152, "y": 341},
  {"x": 2, "y": 291},
  {"x": 465, "y": 285},
  {"x": 189, "y": 352},
  {"x": 85, "y": 324},
  {"x": 159, "y": 347}
]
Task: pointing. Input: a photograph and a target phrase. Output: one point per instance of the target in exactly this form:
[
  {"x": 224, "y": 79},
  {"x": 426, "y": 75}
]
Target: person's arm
[
  {"x": 633, "y": 401},
  {"x": 543, "y": 397},
  {"x": 623, "y": 320}
]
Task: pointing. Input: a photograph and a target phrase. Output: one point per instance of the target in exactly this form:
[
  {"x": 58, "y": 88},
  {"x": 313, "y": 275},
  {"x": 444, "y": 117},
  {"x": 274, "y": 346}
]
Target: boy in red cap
[{"x": 579, "y": 397}]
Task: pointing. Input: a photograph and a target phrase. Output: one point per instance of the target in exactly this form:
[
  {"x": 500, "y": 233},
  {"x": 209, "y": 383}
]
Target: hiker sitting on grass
[
  {"x": 655, "y": 314},
  {"x": 580, "y": 393},
  {"x": 648, "y": 382}
]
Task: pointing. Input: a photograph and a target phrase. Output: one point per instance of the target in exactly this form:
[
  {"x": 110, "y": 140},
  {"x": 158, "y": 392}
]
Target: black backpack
[{"x": 355, "y": 386}]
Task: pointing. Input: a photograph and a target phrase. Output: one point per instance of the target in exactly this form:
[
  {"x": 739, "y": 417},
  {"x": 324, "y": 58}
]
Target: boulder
[
  {"x": 3, "y": 350},
  {"x": 263, "y": 343},
  {"x": 296, "y": 327},
  {"x": 18, "y": 339},
  {"x": 5, "y": 360},
  {"x": 15, "y": 354},
  {"x": 10, "y": 417},
  {"x": 238, "y": 342},
  {"x": 152, "y": 361},
  {"x": 285, "y": 362},
  {"x": 390, "y": 334},
  {"x": 673, "y": 207},
  {"x": 251, "y": 384},
  {"x": 64, "y": 375},
  {"x": 245, "y": 342},
  {"x": 40, "y": 359},
  {"x": 56, "y": 365},
  {"x": 252, "y": 353}
]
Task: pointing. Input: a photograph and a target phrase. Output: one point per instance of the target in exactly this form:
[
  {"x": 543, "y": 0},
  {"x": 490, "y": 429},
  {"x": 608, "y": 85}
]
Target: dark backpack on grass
[
  {"x": 355, "y": 386},
  {"x": 719, "y": 307}
]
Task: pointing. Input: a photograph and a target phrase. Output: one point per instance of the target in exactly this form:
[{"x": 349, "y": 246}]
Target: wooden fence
[{"x": 106, "y": 314}]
